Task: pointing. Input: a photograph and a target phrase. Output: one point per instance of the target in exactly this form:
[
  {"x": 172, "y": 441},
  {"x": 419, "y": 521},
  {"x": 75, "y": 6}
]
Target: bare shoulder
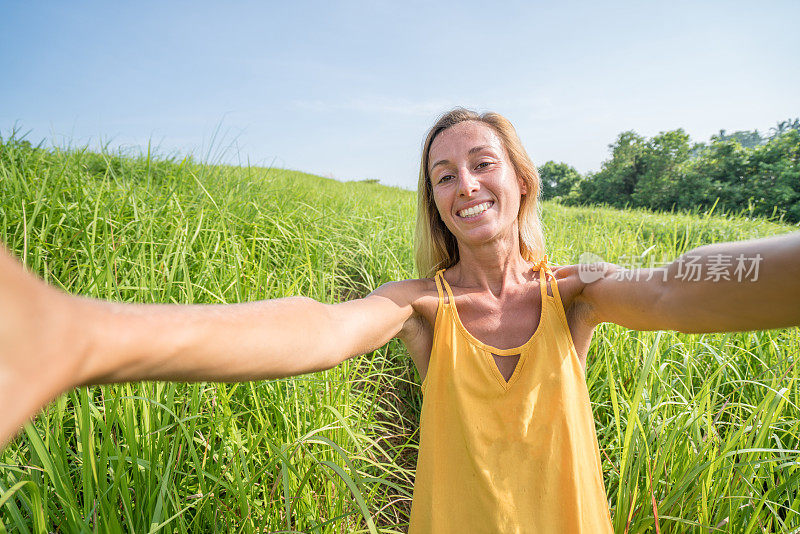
[
  {"x": 572, "y": 282},
  {"x": 569, "y": 281},
  {"x": 420, "y": 295},
  {"x": 406, "y": 292}
]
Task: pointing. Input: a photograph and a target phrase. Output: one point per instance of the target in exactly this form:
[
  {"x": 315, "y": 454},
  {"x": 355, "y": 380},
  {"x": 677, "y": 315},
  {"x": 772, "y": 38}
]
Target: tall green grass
[{"x": 700, "y": 430}]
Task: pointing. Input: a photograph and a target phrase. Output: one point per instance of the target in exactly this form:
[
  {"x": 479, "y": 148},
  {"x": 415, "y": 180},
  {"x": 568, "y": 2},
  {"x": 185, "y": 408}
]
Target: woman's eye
[
  {"x": 484, "y": 164},
  {"x": 445, "y": 178}
]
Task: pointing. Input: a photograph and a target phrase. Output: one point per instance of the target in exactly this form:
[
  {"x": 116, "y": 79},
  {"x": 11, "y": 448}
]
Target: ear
[{"x": 523, "y": 187}]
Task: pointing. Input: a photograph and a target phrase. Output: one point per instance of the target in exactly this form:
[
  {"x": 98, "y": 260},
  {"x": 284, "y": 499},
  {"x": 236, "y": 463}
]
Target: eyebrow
[{"x": 471, "y": 151}]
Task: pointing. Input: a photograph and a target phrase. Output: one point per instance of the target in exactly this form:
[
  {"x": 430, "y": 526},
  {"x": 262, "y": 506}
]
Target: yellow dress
[{"x": 507, "y": 457}]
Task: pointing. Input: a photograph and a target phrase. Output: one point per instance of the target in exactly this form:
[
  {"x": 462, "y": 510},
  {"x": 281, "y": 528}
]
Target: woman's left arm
[{"x": 722, "y": 287}]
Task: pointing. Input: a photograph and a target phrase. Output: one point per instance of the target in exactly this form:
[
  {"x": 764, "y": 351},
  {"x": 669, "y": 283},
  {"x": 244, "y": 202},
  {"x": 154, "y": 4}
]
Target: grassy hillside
[{"x": 702, "y": 429}]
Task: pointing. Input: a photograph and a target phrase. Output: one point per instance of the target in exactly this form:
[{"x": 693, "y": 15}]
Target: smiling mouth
[{"x": 474, "y": 211}]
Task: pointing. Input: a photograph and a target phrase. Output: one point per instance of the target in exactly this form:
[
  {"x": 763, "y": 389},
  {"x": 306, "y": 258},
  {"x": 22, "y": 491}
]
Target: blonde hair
[{"x": 435, "y": 246}]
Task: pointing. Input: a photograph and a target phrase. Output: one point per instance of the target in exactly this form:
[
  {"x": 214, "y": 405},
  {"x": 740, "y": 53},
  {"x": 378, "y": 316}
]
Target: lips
[{"x": 474, "y": 210}]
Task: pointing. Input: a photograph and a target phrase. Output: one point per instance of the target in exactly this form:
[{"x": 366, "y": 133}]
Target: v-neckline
[{"x": 488, "y": 350}]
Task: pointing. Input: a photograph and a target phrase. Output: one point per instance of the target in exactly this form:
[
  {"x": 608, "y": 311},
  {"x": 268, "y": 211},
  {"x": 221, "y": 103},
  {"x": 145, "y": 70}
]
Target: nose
[{"x": 467, "y": 183}]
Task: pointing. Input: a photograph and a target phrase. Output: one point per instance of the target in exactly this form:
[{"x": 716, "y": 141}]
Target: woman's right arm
[
  {"x": 52, "y": 341},
  {"x": 234, "y": 342}
]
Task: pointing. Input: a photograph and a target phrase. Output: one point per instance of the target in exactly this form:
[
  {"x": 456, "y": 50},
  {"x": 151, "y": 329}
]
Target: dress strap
[
  {"x": 543, "y": 278},
  {"x": 439, "y": 286},
  {"x": 542, "y": 267},
  {"x": 447, "y": 288},
  {"x": 545, "y": 270}
]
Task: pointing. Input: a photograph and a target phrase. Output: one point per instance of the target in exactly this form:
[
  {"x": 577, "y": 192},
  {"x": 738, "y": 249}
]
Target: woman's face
[{"x": 474, "y": 184}]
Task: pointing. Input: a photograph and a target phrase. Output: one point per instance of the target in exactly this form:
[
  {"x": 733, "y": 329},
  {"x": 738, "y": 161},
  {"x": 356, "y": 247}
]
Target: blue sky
[{"x": 348, "y": 89}]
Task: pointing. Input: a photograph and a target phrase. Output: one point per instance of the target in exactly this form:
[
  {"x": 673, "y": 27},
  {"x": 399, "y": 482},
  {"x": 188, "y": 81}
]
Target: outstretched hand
[{"x": 39, "y": 347}]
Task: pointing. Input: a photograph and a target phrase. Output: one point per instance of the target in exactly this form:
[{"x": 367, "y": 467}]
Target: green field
[{"x": 703, "y": 430}]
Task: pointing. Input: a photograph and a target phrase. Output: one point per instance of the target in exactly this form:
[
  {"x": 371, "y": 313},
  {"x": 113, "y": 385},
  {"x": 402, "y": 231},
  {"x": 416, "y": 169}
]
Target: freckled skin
[{"x": 468, "y": 178}]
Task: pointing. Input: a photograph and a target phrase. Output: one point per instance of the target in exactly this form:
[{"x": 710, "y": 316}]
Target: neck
[{"x": 491, "y": 266}]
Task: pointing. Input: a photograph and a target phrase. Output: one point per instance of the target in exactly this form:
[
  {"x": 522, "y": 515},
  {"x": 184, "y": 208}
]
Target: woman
[{"x": 508, "y": 442}]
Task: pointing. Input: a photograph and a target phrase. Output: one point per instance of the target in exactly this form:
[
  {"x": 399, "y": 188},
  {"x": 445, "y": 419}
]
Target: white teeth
[{"x": 475, "y": 210}]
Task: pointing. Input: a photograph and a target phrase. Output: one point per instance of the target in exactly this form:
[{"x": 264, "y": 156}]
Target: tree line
[{"x": 742, "y": 172}]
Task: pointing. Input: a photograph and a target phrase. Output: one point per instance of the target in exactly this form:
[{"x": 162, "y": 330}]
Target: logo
[{"x": 590, "y": 267}]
